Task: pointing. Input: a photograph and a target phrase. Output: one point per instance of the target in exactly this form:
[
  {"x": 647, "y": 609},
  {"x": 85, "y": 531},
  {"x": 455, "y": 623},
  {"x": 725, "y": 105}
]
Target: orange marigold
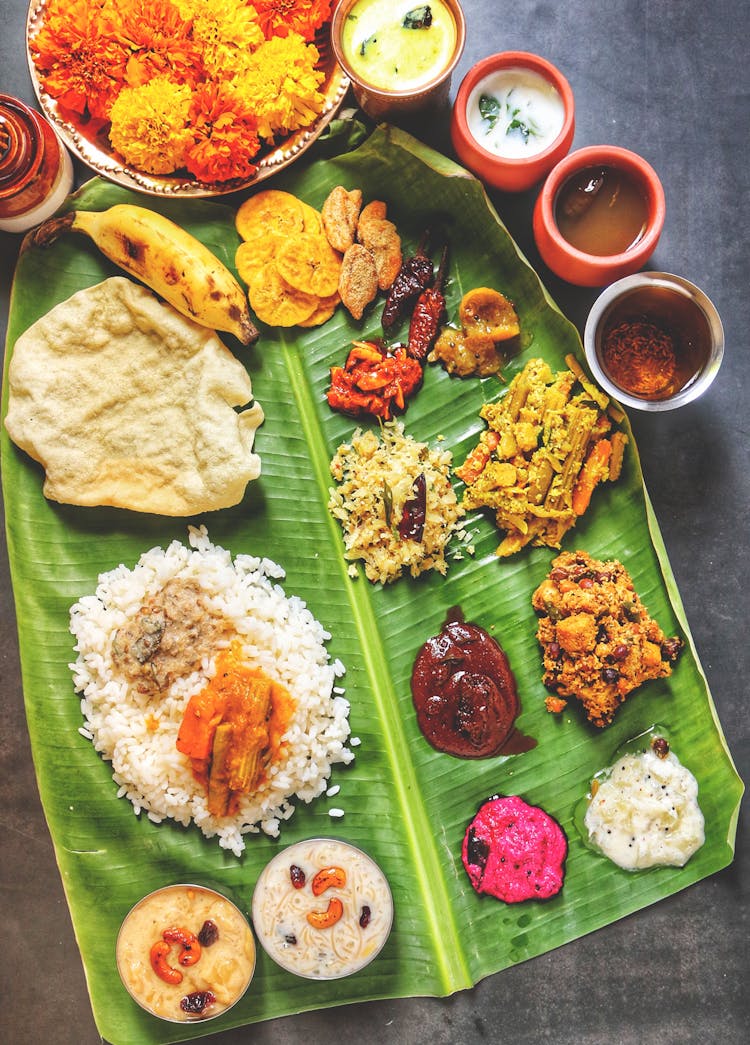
[
  {"x": 281, "y": 17},
  {"x": 80, "y": 61},
  {"x": 160, "y": 40},
  {"x": 225, "y": 137}
]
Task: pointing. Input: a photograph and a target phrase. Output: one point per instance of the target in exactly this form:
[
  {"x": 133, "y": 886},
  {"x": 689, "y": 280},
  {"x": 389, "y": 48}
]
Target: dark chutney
[{"x": 465, "y": 694}]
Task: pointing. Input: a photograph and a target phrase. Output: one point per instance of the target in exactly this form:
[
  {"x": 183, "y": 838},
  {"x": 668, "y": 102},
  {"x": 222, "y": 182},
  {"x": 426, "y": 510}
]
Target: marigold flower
[
  {"x": 80, "y": 61},
  {"x": 281, "y": 17},
  {"x": 150, "y": 125},
  {"x": 280, "y": 84},
  {"x": 224, "y": 133},
  {"x": 160, "y": 41},
  {"x": 226, "y": 32}
]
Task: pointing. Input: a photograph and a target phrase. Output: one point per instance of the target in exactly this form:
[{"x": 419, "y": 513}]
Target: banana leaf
[{"x": 406, "y": 804}]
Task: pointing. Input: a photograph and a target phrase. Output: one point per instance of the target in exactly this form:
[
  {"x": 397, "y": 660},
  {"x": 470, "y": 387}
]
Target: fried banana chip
[
  {"x": 339, "y": 214},
  {"x": 269, "y": 211},
  {"x": 358, "y": 282},
  {"x": 277, "y": 304},
  {"x": 311, "y": 219},
  {"x": 324, "y": 311},
  {"x": 310, "y": 264},
  {"x": 252, "y": 256}
]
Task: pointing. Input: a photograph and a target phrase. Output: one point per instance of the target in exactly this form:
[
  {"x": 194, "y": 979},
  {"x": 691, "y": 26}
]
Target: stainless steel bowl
[{"x": 668, "y": 301}]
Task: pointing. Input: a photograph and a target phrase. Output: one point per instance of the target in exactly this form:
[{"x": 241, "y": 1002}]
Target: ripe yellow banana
[{"x": 167, "y": 259}]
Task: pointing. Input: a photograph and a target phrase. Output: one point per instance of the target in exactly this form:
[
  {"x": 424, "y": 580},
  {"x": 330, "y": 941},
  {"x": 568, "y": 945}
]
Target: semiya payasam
[
  {"x": 322, "y": 909},
  {"x": 542, "y": 454},
  {"x": 236, "y": 709},
  {"x": 125, "y": 402}
]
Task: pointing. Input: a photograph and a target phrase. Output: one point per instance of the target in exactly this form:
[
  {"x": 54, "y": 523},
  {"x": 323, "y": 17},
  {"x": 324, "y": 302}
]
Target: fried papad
[{"x": 125, "y": 402}]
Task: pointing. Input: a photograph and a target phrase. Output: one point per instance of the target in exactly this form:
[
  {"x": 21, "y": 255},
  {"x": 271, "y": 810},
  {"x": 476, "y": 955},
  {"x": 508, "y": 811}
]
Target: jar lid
[{"x": 21, "y": 145}]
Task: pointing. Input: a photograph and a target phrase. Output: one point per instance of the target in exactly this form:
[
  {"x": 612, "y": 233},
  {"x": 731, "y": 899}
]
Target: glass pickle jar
[{"x": 36, "y": 172}]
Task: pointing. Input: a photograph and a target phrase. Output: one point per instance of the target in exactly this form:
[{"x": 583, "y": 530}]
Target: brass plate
[{"x": 98, "y": 154}]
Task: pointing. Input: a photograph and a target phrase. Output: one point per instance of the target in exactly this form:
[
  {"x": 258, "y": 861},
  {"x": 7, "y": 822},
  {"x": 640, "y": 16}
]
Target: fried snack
[
  {"x": 275, "y": 302},
  {"x": 598, "y": 641},
  {"x": 125, "y": 402},
  {"x": 324, "y": 311},
  {"x": 308, "y": 263},
  {"x": 291, "y": 271},
  {"x": 269, "y": 211},
  {"x": 541, "y": 456},
  {"x": 381, "y": 238},
  {"x": 358, "y": 282},
  {"x": 339, "y": 215}
]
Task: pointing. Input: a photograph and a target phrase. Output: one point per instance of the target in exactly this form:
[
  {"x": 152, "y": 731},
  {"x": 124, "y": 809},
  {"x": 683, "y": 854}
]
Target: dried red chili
[
  {"x": 414, "y": 276},
  {"x": 374, "y": 380},
  {"x": 427, "y": 315},
  {"x": 411, "y": 526}
]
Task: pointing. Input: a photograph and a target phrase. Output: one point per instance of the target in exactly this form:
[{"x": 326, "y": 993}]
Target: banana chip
[
  {"x": 324, "y": 311},
  {"x": 309, "y": 263},
  {"x": 269, "y": 211},
  {"x": 290, "y": 268},
  {"x": 277, "y": 304}
]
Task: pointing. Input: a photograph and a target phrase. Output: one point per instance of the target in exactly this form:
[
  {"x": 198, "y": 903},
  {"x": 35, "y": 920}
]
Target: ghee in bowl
[
  {"x": 399, "y": 55},
  {"x": 322, "y": 909},
  {"x": 185, "y": 953}
]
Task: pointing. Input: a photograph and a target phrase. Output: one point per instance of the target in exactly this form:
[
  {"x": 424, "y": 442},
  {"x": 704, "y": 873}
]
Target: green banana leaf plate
[{"x": 405, "y": 804}]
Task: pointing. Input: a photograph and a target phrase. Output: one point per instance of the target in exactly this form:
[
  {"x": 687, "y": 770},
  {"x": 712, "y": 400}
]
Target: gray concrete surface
[{"x": 668, "y": 79}]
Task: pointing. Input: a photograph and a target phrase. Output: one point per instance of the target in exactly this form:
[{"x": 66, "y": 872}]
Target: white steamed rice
[{"x": 279, "y": 635}]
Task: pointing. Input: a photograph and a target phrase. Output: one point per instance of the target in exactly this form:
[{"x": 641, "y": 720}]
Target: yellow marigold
[
  {"x": 280, "y": 83},
  {"x": 225, "y": 30},
  {"x": 150, "y": 125}
]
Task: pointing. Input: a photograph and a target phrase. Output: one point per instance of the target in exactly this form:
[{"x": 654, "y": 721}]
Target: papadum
[{"x": 125, "y": 402}]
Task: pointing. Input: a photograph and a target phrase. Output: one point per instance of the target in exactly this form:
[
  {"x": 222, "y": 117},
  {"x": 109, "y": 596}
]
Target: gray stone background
[{"x": 669, "y": 80}]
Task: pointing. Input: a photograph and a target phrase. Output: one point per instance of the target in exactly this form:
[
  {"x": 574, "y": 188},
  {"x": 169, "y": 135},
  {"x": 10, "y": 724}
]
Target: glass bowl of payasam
[
  {"x": 185, "y": 953},
  {"x": 599, "y": 215},
  {"x": 513, "y": 119},
  {"x": 322, "y": 909},
  {"x": 398, "y": 56},
  {"x": 654, "y": 341}
]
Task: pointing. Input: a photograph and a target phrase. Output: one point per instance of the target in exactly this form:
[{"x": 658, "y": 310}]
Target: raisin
[
  {"x": 610, "y": 675},
  {"x": 365, "y": 915},
  {"x": 660, "y": 747},
  {"x": 671, "y": 649},
  {"x": 291, "y": 939},
  {"x": 209, "y": 933},
  {"x": 196, "y": 1003},
  {"x": 297, "y": 876},
  {"x": 554, "y": 650},
  {"x": 620, "y": 651}
]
